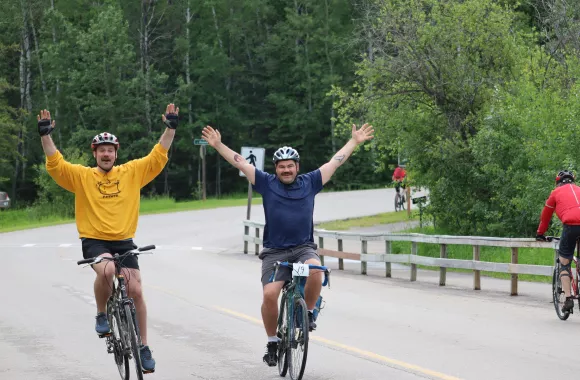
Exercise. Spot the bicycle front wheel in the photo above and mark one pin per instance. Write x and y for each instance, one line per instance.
(115, 342)
(558, 294)
(134, 342)
(299, 327)
(283, 336)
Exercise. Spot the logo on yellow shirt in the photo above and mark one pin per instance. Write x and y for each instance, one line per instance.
(109, 189)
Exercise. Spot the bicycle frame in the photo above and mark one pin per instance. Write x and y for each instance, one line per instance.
(125, 342)
(295, 289)
(119, 286)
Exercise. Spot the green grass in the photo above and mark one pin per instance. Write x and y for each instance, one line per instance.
(33, 217)
(534, 256)
(164, 204)
(369, 221)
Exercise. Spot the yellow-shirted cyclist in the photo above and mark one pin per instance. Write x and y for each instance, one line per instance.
(107, 201)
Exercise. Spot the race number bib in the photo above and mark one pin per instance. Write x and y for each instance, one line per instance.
(300, 270)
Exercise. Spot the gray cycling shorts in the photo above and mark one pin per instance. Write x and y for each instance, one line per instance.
(300, 253)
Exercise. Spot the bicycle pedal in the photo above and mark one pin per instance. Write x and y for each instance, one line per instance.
(104, 335)
(147, 372)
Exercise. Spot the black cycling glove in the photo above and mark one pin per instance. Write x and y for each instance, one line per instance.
(45, 127)
(541, 237)
(171, 120)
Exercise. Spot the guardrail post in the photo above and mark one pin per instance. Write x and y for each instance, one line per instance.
(413, 266)
(246, 233)
(363, 264)
(321, 245)
(388, 251)
(442, 270)
(257, 245)
(514, 291)
(340, 261)
(476, 273)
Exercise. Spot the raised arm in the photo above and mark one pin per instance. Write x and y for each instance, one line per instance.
(170, 120)
(64, 173)
(358, 137)
(214, 138)
(45, 128)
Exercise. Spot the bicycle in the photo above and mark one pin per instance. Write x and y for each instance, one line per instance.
(293, 324)
(557, 293)
(400, 199)
(124, 340)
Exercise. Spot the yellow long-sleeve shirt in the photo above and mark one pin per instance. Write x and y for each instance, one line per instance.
(107, 205)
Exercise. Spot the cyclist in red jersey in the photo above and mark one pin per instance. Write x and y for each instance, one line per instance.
(565, 200)
(398, 177)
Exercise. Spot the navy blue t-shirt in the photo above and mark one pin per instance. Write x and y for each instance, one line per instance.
(289, 209)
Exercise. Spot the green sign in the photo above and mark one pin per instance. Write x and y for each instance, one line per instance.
(200, 142)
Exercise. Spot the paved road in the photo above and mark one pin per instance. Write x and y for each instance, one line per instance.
(204, 298)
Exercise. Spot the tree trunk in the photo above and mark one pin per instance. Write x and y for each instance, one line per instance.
(147, 12)
(25, 101)
(331, 68)
(218, 176)
(56, 102)
(190, 104)
(308, 74)
(37, 53)
(217, 29)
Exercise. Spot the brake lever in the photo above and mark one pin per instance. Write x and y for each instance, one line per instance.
(96, 261)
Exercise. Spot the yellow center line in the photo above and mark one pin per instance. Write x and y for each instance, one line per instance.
(355, 350)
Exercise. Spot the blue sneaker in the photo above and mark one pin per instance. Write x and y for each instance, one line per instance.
(147, 361)
(102, 325)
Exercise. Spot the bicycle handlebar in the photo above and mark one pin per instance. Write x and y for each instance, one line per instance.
(311, 266)
(128, 253)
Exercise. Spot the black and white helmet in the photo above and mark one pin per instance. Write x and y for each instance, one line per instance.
(286, 153)
(105, 138)
(565, 176)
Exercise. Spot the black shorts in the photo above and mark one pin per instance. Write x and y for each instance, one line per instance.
(398, 186)
(95, 247)
(568, 241)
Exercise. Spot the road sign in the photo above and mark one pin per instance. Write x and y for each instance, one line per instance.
(254, 156)
(200, 142)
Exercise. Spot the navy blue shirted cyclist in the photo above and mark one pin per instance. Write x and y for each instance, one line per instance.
(288, 201)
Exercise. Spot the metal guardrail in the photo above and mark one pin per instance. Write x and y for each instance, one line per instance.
(414, 259)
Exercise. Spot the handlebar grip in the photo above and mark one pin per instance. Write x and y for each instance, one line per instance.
(85, 261)
(326, 279)
(147, 248)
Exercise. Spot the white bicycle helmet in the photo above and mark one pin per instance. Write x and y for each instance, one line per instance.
(286, 153)
(105, 138)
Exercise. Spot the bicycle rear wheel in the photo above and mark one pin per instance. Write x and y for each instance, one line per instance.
(114, 342)
(558, 294)
(283, 335)
(134, 342)
(299, 327)
(397, 202)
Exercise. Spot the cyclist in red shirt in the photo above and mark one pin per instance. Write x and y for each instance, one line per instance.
(398, 177)
(565, 200)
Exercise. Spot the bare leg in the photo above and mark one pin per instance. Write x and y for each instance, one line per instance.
(105, 271)
(135, 291)
(313, 285)
(270, 306)
(564, 278)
